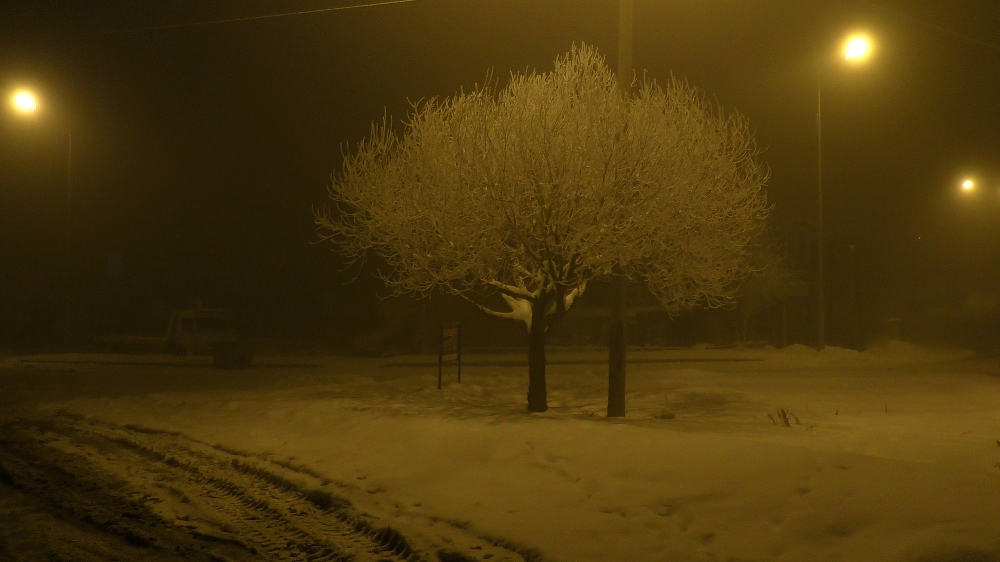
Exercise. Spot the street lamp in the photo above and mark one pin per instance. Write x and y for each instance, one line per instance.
(857, 48)
(25, 103)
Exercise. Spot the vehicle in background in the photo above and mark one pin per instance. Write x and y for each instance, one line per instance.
(203, 331)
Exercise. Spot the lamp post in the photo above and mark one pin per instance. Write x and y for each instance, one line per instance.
(25, 103)
(616, 328)
(857, 48)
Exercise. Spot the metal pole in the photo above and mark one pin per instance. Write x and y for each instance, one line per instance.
(859, 311)
(68, 250)
(440, 354)
(820, 305)
(625, 19)
(616, 328)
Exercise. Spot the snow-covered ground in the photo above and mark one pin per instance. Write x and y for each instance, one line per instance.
(891, 454)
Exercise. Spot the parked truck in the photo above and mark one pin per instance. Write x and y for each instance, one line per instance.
(202, 331)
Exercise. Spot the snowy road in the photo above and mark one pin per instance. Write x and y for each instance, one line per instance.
(147, 488)
(82, 490)
(889, 456)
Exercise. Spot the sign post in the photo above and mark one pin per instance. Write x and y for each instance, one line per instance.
(450, 349)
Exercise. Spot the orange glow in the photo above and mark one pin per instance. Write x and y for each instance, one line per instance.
(857, 48)
(24, 101)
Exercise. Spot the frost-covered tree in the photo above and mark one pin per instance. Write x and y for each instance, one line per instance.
(532, 190)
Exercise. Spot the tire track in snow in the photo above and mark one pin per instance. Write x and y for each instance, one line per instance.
(232, 506)
(270, 514)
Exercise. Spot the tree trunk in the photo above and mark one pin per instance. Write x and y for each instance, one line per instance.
(616, 351)
(616, 370)
(537, 399)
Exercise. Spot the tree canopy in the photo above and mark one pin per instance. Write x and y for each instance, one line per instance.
(532, 190)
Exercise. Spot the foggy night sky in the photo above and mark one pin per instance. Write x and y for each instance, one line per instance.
(200, 152)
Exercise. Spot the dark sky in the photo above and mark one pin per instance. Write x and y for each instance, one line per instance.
(199, 152)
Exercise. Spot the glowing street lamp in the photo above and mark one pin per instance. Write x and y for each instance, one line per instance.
(24, 102)
(968, 186)
(857, 49)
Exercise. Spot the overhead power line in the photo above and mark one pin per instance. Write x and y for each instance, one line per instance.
(266, 16)
(941, 28)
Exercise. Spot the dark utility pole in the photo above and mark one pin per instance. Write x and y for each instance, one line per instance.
(820, 304)
(616, 329)
(68, 249)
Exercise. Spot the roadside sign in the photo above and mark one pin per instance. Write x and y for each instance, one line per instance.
(450, 349)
